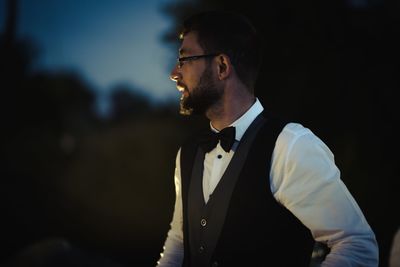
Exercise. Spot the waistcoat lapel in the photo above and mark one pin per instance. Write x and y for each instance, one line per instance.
(205, 221)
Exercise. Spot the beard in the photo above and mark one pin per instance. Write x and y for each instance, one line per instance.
(205, 95)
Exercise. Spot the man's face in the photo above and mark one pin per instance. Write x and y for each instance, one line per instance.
(195, 79)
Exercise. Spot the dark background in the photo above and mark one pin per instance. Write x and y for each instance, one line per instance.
(78, 189)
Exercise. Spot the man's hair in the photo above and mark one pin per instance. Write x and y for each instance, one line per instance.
(232, 34)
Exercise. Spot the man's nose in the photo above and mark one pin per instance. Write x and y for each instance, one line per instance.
(174, 75)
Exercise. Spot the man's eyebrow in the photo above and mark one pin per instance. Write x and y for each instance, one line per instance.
(183, 51)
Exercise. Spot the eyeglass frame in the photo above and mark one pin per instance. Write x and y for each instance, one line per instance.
(182, 60)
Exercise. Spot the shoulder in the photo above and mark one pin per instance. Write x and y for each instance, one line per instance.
(190, 145)
(294, 137)
(291, 133)
(193, 139)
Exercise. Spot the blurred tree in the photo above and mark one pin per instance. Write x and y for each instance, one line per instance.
(127, 102)
(43, 117)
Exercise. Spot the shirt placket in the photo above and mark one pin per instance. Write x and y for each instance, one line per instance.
(216, 168)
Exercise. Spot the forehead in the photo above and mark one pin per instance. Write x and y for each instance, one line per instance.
(189, 45)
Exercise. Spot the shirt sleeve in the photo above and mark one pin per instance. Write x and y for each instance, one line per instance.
(305, 179)
(172, 255)
(394, 258)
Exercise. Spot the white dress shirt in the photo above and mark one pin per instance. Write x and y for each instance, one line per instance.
(303, 178)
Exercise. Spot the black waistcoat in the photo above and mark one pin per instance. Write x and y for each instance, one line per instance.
(242, 224)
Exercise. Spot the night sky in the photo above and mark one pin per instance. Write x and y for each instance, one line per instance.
(107, 42)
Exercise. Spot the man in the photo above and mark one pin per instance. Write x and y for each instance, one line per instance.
(265, 196)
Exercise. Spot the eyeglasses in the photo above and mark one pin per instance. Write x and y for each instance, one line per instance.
(182, 60)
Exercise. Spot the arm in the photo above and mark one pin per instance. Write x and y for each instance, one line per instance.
(172, 255)
(394, 258)
(305, 179)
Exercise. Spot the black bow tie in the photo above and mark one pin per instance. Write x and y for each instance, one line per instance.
(210, 139)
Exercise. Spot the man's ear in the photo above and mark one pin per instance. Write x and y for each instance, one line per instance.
(224, 66)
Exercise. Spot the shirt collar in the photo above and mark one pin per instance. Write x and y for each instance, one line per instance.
(242, 123)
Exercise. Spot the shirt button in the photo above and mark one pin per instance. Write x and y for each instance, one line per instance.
(214, 264)
(201, 249)
(219, 156)
(203, 222)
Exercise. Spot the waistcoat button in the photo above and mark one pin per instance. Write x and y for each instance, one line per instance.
(203, 222)
(201, 249)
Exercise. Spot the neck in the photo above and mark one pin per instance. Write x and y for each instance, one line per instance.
(229, 110)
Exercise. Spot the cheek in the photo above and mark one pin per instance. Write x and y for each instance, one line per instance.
(191, 79)
(190, 82)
